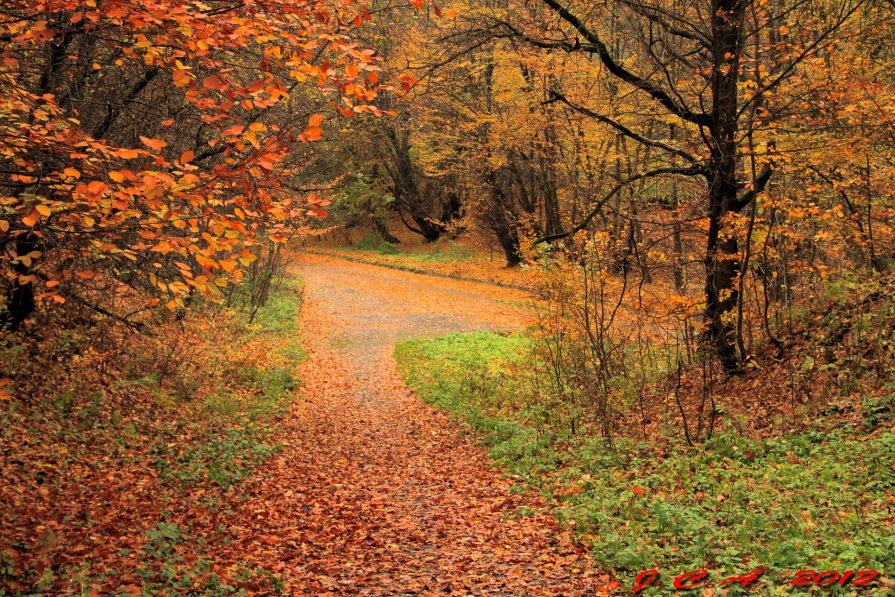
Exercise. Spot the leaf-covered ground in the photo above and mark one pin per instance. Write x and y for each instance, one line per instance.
(126, 483)
(122, 455)
(376, 492)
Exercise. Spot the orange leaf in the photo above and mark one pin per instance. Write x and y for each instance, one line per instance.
(126, 154)
(156, 144)
(187, 157)
(181, 78)
(236, 129)
(31, 219)
(313, 133)
(121, 175)
(96, 189)
(214, 82)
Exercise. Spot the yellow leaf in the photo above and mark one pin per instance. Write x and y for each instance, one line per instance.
(248, 259)
(43, 210)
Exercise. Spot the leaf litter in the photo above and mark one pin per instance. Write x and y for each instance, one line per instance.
(375, 492)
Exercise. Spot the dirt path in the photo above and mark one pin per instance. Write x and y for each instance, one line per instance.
(376, 492)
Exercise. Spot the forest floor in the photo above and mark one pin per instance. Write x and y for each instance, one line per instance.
(290, 455)
(375, 491)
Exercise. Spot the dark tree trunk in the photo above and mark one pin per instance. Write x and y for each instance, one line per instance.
(508, 238)
(20, 300)
(407, 190)
(722, 250)
(502, 220)
(677, 233)
(383, 231)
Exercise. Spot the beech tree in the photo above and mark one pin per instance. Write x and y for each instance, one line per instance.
(146, 143)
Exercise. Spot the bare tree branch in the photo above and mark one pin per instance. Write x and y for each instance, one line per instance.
(558, 97)
(624, 74)
(691, 171)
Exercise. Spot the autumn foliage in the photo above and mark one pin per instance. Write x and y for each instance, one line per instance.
(676, 218)
(736, 154)
(148, 145)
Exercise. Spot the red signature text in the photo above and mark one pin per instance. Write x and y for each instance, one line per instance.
(696, 579)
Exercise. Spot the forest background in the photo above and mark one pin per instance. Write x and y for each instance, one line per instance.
(699, 197)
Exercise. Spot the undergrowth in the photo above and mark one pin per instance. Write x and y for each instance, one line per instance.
(169, 442)
(813, 500)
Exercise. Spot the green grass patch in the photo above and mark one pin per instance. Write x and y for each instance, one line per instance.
(279, 315)
(238, 422)
(447, 251)
(815, 500)
(165, 569)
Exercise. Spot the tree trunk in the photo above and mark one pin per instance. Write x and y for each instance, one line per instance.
(679, 281)
(20, 300)
(509, 242)
(722, 251)
(502, 220)
(382, 230)
(406, 189)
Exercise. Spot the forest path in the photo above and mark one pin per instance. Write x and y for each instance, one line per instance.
(376, 492)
